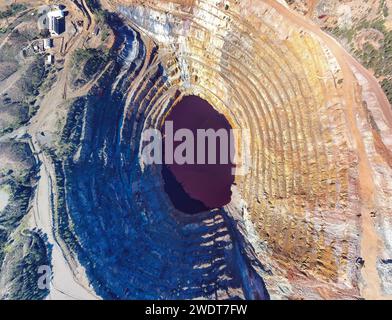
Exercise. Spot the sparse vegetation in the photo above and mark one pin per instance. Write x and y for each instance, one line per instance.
(33, 77)
(384, 8)
(386, 84)
(18, 178)
(374, 57)
(90, 61)
(21, 267)
(18, 40)
(69, 130)
(18, 108)
(12, 10)
(101, 18)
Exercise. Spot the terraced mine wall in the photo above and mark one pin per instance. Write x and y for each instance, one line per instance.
(115, 216)
(316, 196)
(308, 218)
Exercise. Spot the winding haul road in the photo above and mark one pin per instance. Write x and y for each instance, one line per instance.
(69, 280)
(370, 244)
(66, 286)
(344, 58)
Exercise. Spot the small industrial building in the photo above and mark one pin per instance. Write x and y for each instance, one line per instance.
(50, 59)
(56, 22)
(48, 43)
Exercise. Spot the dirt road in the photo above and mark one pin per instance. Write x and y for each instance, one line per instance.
(64, 285)
(69, 277)
(370, 239)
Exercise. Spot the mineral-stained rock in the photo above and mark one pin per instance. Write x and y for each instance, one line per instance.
(125, 231)
(310, 210)
(305, 205)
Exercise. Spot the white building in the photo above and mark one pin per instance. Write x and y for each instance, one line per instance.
(56, 22)
(48, 43)
(50, 59)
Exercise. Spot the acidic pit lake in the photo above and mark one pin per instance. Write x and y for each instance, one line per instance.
(195, 188)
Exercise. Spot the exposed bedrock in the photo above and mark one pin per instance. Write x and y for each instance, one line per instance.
(315, 200)
(125, 230)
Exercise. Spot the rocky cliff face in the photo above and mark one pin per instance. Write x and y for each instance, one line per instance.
(114, 213)
(316, 200)
(309, 217)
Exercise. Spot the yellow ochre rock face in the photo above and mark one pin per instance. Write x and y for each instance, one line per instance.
(315, 202)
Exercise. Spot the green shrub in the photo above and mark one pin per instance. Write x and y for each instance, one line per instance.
(12, 10)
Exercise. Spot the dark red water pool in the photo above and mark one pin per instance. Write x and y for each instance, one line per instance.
(196, 187)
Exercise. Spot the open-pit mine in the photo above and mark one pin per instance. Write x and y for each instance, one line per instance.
(296, 205)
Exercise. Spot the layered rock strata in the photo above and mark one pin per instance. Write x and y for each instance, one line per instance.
(310, 213)
(114, 214)
(316, 200)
